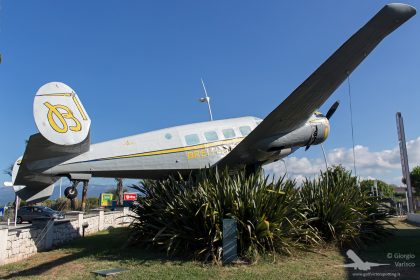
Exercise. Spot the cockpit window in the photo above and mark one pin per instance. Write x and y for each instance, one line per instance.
(211, 136)
(228, 133)
(192, 139)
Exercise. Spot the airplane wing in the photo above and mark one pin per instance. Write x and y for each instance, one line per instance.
(375, 264)
(354, 265)
(297, 108)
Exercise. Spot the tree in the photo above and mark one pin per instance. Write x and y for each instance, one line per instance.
(84, 195)
(415, 179)
(385, 189)
(119, 193)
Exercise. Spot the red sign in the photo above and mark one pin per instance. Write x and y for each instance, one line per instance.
(130, 196)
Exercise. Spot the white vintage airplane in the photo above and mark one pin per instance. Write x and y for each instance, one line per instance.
(63, 149)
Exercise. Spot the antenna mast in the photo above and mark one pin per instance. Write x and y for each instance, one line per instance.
(206, 99)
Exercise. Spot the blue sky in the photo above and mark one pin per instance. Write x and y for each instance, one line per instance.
(136, 66)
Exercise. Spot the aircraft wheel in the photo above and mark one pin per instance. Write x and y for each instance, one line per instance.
(70, 193)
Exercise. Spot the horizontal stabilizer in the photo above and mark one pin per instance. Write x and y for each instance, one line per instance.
(41, 187)
(34, 195)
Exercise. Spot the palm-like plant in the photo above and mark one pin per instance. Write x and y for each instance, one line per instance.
(340, 210)
(186, 215)
(9, 170)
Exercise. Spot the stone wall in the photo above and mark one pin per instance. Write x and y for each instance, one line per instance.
(20, 244)
(23, 242)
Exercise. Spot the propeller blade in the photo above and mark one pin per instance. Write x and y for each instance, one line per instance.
(332, 109)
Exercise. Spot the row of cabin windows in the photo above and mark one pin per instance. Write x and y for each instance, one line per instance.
(211, 136)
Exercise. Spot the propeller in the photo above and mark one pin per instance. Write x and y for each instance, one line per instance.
(332, 109)
(329, 114)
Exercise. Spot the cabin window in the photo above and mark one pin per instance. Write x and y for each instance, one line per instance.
(228, 133)
(168, 136)
(245, 130)
(192, 139)
(211, 136)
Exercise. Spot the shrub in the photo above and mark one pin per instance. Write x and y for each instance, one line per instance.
(60, 204)
(341, 211)
(92, 203)
(185, 216)
(63, 204)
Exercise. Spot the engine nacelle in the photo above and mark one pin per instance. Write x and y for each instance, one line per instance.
(313, 132)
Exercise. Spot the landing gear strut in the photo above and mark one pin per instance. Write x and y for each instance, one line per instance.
(251, 169)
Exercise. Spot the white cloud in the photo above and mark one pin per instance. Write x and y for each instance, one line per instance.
(385, 165)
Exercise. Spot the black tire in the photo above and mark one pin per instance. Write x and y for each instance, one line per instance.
(70, 193)
(19, 220)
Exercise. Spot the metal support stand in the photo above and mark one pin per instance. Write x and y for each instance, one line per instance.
(16, 208)
(230, 242)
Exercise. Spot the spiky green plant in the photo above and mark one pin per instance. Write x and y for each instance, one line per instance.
(341, 211)
(185, 216)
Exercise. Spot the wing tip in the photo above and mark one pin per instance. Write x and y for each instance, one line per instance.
(401, 10)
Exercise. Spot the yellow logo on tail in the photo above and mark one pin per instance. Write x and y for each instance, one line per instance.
(63, 115)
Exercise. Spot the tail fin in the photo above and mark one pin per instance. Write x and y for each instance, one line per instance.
(59, 114)
(64, 133)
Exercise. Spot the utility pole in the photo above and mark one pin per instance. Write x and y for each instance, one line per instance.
(404, 162)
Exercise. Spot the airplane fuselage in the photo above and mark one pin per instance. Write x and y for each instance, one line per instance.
(180, 149)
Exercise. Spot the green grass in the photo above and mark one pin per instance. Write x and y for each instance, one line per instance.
(108, 249)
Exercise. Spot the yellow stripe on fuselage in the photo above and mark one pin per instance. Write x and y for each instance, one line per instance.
(180, 149)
